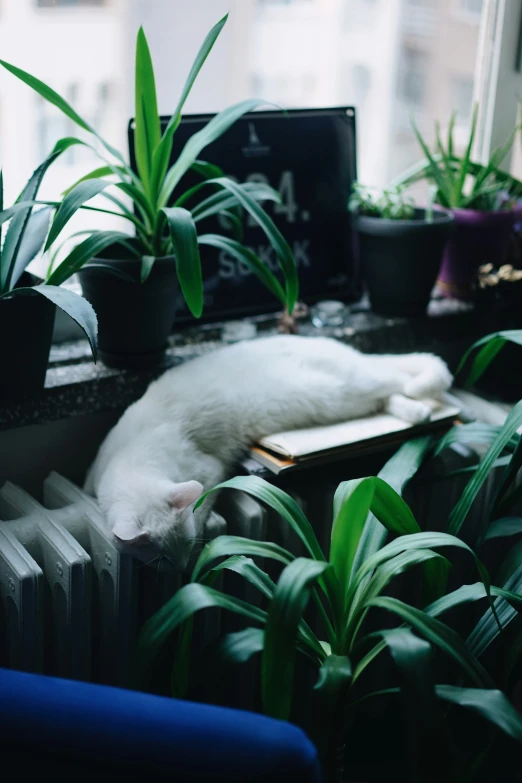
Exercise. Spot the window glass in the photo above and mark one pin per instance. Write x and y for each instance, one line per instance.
(388, 58)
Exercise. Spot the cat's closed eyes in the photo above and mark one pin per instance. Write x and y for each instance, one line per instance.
(188, 430)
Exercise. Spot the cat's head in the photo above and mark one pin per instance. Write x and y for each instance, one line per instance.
(150, 517)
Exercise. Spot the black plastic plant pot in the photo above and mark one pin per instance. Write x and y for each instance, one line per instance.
(400, 260)
(134, 318)
(26, 329)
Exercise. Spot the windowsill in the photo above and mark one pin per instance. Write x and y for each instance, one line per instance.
(75, 386)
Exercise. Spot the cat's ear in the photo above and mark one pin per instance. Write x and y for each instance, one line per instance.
(126, 529)
(182, 495)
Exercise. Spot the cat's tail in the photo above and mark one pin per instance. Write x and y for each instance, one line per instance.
(429, 375)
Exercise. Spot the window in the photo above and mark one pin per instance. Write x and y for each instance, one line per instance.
(283, 2)
(413, 76)
(462, 98)
(309, 54)
(359, 84)
(471, 6)
(63, 3)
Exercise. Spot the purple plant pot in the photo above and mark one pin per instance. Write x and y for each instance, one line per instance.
(479, 238)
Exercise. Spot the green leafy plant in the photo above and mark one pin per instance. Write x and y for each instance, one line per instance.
(358, 620)
(25, 238)
(461, 182)
(391, 203)
(163, 228)
(484, 351)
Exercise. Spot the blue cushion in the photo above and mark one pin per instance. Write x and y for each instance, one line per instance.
(63, 726)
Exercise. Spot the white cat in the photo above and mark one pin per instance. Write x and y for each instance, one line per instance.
(187, 431)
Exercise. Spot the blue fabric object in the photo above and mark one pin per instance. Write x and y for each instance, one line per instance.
(55, 726)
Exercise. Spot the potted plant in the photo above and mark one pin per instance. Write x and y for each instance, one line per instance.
(27, 307)
(359, 621)
(483, 199)
(400, 249)
(136, 309)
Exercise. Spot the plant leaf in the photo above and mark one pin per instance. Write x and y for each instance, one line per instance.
(276, 239)
(19, 222)
(73, 304)
(352, 502)
(488, 353)
(249, 259)
(101, 171)
(467, 594)
(215, 128)
(52, 97)
(472, 433)
(207, 170)
(459, 513)
(444, 192)
(438, 634)
(227, 546)
(492, 705)
(72, 203)
(147, 133)
(188, 263)
(333, 682)
(1, 210)
(426, 730)
(163, 150)
(221, 201)
(83, 252)
(285, 612)
(415, 541)
(487, 629)
(147, 262)
(396, 472)
(282, 503)
(464, 164)
(503, 499)
(506, 526)
(32, 242)
(377, 584)
(183, 605)
(238, 647)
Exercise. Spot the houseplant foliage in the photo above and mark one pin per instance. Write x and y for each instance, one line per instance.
(483, 198)
(359, 621)
(167, 223)
(400, 248)
(27, 306)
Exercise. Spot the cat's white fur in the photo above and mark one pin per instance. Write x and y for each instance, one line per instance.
(187, 431)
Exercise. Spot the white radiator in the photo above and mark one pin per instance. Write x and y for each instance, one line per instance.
(71, 604)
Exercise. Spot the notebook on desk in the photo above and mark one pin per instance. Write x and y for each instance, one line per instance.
(295, 449)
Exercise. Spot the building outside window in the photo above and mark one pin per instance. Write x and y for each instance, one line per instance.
(413, 73)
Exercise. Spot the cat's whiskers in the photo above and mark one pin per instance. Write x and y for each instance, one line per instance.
(149, 562)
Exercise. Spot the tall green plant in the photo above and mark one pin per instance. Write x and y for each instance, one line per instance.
(25, 238)
(347, 587)
(460, 181)
(165, 225)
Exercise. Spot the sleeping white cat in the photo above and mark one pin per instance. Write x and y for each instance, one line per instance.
(187, 431)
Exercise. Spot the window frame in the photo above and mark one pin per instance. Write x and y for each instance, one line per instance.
(498, 77)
